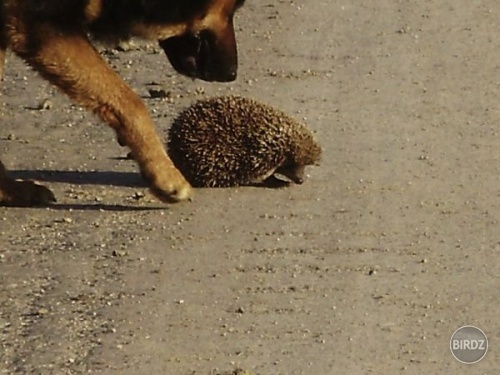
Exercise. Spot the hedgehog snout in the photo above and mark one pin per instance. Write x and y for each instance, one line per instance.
(295, 173)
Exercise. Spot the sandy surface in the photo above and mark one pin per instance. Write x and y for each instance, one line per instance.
(367, 268)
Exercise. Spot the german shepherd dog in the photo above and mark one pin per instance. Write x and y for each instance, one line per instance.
(54, 37)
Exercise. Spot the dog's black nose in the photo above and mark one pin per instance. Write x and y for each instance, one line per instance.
(227, 75)
(232, 74)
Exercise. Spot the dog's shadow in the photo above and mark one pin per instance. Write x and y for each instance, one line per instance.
(104, 178)
(123, 179)
(111, 178)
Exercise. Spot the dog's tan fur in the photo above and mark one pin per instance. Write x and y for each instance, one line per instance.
(53, 37)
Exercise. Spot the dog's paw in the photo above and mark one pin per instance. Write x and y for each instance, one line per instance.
(169, 185)
(19, 193)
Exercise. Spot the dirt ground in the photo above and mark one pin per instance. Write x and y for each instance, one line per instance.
(367, 268)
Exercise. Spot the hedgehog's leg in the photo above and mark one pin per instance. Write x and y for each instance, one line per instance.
(288, 173)
(71, 63)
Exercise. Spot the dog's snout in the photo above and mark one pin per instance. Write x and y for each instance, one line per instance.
(227, 75)
(232, 74)
(205, 55)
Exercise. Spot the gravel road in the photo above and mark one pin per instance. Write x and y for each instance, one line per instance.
(389, 246)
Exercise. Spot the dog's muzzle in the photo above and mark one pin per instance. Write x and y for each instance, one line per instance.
(202, 56)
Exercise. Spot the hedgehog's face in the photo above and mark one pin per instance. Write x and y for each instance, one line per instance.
(207, 48)
(304, 152)
(294, 173)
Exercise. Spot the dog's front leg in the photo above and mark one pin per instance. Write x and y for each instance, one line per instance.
(72, 63)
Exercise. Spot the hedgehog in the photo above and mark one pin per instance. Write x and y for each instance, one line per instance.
(232, 141)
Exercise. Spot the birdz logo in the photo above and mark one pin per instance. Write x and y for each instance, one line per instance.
(469, 344)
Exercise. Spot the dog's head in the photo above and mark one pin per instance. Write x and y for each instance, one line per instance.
(206, 48)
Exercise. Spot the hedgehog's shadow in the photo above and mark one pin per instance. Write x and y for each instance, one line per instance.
(269, 183)
(272, 182)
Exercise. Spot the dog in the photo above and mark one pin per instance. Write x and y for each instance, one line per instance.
(55, 37)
